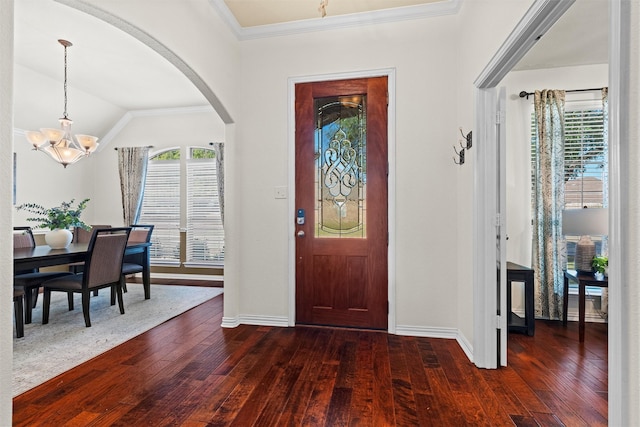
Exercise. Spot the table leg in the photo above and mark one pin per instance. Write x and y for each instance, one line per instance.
(146, 273)
(565, 301)
(529, 306)
(581, 304)
(508, 303)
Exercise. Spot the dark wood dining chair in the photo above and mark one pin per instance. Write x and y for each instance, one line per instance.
(30, 281)
(18, 309)
(102, 269)
(132, 264)
(80, 235)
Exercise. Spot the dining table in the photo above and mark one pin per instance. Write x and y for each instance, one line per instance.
(44, 256)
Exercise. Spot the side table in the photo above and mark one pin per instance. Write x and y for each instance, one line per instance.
(583, 280)
(519, 273)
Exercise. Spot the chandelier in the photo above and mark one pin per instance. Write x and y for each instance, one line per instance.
(60, 143)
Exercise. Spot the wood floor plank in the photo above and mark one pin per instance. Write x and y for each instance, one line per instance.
(191, 372)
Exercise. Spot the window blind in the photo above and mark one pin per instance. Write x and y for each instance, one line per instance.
(584, 158)
(205, 234)
(161, 207)
(585, 162)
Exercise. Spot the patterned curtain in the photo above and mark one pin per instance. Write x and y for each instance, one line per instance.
(218, 147)
(132, 165)
(549, 249)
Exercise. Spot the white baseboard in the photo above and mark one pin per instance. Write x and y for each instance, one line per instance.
(425, 331)
(248, 319)
(230, 322)
(447, 333)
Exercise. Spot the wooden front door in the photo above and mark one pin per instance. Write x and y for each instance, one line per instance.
(341, 200)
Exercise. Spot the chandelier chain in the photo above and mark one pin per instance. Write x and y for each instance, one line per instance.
(65, 82)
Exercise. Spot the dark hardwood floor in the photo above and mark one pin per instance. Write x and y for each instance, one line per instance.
(191, 372)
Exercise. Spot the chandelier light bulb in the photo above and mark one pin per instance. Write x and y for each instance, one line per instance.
(35, 138)
(88, 143)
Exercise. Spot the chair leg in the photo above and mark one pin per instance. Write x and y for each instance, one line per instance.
(119, 290)
(86, 296)
(19, 314)
(113, 295)
(29, 303)
(45, 305)
(34, 294)
(70, 300)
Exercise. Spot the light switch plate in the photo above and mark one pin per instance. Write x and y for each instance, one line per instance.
(280, 192)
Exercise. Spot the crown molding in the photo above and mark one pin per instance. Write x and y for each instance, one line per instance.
(446, 7)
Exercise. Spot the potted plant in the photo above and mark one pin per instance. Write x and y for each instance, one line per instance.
(58, 220)
(600, 264)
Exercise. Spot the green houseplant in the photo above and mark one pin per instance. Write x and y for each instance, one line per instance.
(600, 264)
(58, 220)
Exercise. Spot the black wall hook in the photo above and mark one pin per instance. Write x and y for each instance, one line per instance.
(460, 156)
(468, 138)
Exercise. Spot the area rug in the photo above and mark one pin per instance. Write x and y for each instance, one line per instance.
(49, 350)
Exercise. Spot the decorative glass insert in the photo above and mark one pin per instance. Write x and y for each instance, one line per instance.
(340, 166)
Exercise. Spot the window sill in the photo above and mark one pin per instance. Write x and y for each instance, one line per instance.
(164, 263)
(203, 264)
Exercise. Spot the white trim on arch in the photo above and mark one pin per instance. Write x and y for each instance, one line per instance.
(391, 74)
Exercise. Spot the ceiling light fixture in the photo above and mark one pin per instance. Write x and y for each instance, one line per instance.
(59, 143)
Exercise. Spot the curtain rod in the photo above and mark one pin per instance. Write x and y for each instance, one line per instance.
(524, 93)
(144, 146)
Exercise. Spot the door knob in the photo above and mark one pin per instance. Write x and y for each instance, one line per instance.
(300, 233)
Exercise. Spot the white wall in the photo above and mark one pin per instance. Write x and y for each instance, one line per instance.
(424, 200)
(41, 103)
(193, 31)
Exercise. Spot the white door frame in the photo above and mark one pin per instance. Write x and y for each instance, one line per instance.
(390, 73)
(540, 17)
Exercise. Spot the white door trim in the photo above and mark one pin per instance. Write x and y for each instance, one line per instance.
(538, 19)
(390, 73)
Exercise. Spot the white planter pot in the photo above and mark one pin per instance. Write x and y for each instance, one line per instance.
(58, 239)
